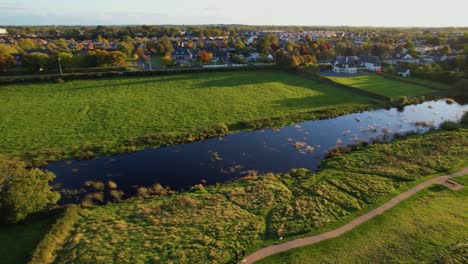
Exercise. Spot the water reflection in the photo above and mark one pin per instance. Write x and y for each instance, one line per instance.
(270, 150)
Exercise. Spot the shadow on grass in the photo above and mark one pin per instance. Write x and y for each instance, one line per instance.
(437, 188)
(151, 80)
(18, 241)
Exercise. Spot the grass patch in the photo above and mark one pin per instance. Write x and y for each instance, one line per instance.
(209, 223)
(427, 228)
(380, 85)
(18, 241)
(57, 120)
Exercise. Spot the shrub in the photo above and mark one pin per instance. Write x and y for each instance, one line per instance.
(116, 195)
(464, 119)
(112, 185)
(401, 101)
(95, 185)
(23, 191)
(198, 188)
(155, 190)
(449, 101)
(461, 87)
(449, 126)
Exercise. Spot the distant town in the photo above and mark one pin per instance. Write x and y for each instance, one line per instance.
(419, 51)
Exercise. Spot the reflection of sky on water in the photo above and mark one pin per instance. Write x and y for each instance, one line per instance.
(268, 150)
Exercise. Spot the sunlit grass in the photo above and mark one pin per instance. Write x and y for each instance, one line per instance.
(383, 86)
(430, 227)
(62, 115)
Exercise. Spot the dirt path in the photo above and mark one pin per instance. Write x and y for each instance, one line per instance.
(271, 250)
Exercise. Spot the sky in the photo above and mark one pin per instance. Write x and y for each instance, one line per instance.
(396, 13)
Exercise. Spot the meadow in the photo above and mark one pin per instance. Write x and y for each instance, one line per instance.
(383, 86)
(430, 227)
(208, 224)
(59, 119)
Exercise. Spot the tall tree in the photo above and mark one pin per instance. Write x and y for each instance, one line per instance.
(6, 61)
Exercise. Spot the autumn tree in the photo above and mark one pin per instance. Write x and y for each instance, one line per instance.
(6, 61)
(240, 46)
(264, 46)
(26, 44)
(340, 48)
(126, 48)
(36, 61)
(139, 53)
(205, 56)
(190, 44)
(164, 46)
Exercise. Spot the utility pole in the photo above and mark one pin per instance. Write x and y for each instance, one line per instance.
(60, 66)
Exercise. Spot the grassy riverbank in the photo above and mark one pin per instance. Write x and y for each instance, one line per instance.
(82, 118)
(383, 86)
(430, 227)
(209, 224)
(19, 240)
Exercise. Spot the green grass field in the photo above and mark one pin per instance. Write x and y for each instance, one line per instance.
(430, 227)
(61, 116)
(380, 85)
(207, 225)
(19, 240)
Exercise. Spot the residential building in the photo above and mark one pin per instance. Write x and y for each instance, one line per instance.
(182, 55)
(371, 63)
(353, 64)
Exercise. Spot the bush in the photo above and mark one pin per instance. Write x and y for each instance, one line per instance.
(449, 126)
(461, 87)
(464, 119)
(401, 101)
(449, 101)
(23, 191)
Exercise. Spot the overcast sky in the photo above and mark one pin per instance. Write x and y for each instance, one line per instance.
(407, 13)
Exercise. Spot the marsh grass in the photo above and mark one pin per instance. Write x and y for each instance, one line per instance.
(209, 223)
(426, 228)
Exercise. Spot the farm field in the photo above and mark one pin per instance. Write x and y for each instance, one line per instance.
(208, 224)
(380, 85)
(63, 116)
(430, 227)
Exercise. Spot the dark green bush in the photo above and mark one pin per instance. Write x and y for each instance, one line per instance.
(449, 126)
(401, 101)
(464, 119)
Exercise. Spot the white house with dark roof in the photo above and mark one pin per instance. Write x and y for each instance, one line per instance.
(352, 64)
(348, 64)
(371, 63)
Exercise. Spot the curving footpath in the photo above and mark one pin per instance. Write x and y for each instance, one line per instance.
(271, 250)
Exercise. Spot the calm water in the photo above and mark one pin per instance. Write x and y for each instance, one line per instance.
(222, 159)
